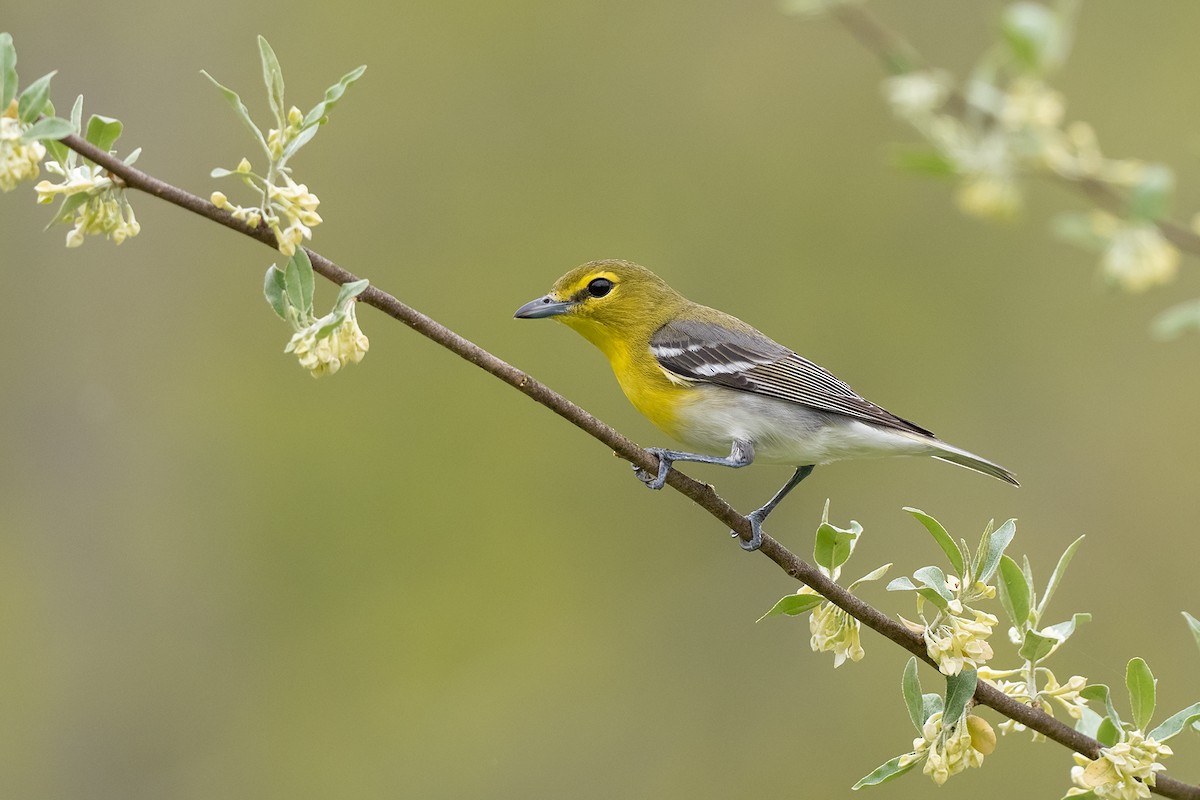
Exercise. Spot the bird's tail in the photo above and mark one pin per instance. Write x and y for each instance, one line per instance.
(954, 455)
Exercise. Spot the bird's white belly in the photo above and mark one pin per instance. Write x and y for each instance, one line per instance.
(787, 433)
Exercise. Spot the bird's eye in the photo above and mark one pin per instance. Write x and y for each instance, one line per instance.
(599, 287)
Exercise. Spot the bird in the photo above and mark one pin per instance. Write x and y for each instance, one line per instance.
(716, 384)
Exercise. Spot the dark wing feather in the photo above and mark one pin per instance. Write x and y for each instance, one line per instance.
(749, 361)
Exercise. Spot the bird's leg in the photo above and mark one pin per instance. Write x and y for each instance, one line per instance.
(758, 516)
(741, 455)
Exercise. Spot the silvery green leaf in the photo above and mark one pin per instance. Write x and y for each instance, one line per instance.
(834, 545)
(1177, 320)
(33, 99)
(1150, 197)
(1056, 577)
(1099, 692)
(298, 276)
(239, 108)
(77, 115)
(910, 685)
(133, 156)
(221, 172)
(793, 604)
(931, 703)
(1036, 646)
(1014, 592)
(1031, 31)
(1063, 630)
(873, 575)
(1176, 723)
(1108, 734)
(903, 584)
(57, 150)
(996, 545)
(275, 290)
(1089, 722)
(47, 128)
(348, 291)
(942, 538)
(1194, 626)
(317, 114)
(933, 578)
(933, 597)
(67, 209)
(103, 131)
(886, 772)
(330, 322)
(8, 70)
(959, 689)
(273, 78)
(1140, 683)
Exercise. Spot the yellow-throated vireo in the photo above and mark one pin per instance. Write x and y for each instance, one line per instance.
(716, 384)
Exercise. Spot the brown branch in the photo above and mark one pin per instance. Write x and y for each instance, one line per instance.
(700, 493)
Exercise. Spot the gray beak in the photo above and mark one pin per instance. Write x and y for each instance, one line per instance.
(545, 306)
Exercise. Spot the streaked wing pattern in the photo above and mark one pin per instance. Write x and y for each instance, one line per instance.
(751, 362)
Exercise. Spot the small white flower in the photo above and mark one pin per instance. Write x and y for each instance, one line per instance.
(957, 642)
(1138, 257)
(915, 95)
(18, 160)
(833, 630)
(948, 751)
(105, 212)
(345, 344)
(1125, 771)
(1029, 104)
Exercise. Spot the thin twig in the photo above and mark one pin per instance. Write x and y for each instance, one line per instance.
(700, 493)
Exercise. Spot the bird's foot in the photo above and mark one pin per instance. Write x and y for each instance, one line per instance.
(664, 466)
(756, 532)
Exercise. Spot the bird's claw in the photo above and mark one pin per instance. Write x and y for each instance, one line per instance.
(756, 532)
(664, 466)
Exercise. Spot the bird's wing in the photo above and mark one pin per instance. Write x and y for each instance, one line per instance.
(751, 362)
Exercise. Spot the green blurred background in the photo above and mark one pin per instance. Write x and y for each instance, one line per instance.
(221, 578)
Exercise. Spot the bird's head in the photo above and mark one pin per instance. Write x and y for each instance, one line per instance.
(607, 302)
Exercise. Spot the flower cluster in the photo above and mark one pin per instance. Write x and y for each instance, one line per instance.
(18, 159)
(1007, 122)
(93, 202)
(325, 355)
(1135, 254)
(956, 641)
(1066, 695)
(1125, 771)
(949, 750)
(288, 208)
(833, 630)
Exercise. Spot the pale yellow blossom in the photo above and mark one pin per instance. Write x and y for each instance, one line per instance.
(345, 344)
(957, 642)
(833, 630)
(18, 160)
(1125, 771)
(948, 751)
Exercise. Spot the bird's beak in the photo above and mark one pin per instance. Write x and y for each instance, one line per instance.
(545, 306)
